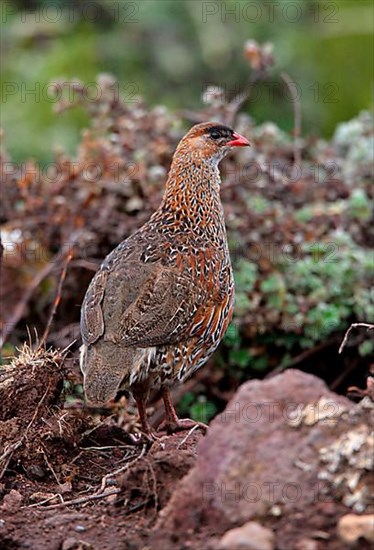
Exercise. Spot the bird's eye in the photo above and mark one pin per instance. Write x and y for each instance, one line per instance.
(215, 135)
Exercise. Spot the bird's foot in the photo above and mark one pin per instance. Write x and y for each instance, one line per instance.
(180, 424)
(172, 423)
(145, 437)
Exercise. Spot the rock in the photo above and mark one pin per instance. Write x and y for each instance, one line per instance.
(73, 544)
(352, 527)
(347, 464)
(12, 501)
(69, 543)
(134, 204)
(250, 536)
(34, 471)
(65, 487)
(313, 413)
(306, 544)
(252, 459)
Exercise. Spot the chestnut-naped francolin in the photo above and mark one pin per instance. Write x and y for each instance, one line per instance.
(162, 300)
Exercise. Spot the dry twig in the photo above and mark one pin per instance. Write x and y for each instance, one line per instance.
(121, 470)
(49, 465)
(242, 97)
(354, 325)
(101, 492)
(79, 500)
(57, 300)
(187, 436)
(19, 310)
(297, 116)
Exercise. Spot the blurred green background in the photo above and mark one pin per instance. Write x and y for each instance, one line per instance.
(168, 51)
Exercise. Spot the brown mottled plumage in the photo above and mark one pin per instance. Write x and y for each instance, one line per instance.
(162, 300)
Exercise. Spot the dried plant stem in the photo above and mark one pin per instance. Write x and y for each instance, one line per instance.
(44, 501)
(187, 436)
(121, 470)
(354, 325)
(100, 493)
(21, 305)
(49, 465)
(79, 500)
(297, 116)
(240, 99)
(57, 299)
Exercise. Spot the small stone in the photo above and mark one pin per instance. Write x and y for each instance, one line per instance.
(112, 498)
(34, 471)
(12, 501)
(134, 204)
(250, 536)
(73, 544)
(65, 487)
(306, 544)
(351, 528)
(276, 510)
(80, 528)
(69, 543)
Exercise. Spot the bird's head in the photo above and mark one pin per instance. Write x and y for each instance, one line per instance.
(212, 141)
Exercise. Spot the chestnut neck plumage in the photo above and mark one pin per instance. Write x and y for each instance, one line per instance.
(193, 186)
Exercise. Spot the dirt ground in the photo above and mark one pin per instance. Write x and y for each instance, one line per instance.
(51, 456)
(73, 478)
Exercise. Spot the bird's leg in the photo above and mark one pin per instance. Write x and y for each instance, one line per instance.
(140, 395)
(140, 403)
(172, 423)
(170, 413)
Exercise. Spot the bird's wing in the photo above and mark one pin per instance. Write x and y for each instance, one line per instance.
(139, 304)
(92, 321)
(162, 310)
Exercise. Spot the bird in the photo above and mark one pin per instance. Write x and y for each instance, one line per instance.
(161, 301)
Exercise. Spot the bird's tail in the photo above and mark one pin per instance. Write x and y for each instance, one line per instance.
(104, 366)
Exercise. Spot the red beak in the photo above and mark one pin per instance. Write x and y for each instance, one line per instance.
(239, 141)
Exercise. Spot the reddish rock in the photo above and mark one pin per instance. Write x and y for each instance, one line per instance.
(353, 528)
(12, 501)
(259, 453)
(250, 536)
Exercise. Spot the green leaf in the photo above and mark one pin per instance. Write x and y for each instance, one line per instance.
(203, 410)
(245, 275)
(232, 336)
(239, 357)
(366, 348)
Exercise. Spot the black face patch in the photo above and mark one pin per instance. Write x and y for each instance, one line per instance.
(220, 132)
